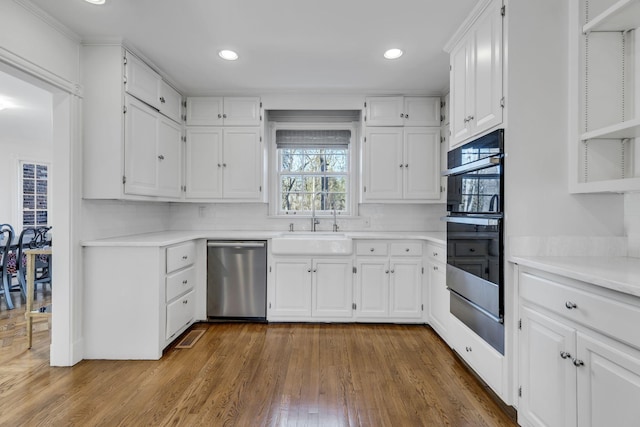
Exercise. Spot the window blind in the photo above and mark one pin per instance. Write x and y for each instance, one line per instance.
(313, 138)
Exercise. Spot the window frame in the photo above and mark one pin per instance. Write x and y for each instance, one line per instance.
(20, 198)
(351, 173)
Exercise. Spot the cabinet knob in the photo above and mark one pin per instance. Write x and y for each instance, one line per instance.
(184, 282)
(160, 157)
(469, 349)
(578, 362)
(185, 301)
(224, 165)
(401, 165)
(162, 99)
(372, 250)
(315, 270)
(401, 114)
(308, 270)
(407, 250)
(570, 305)
(565, 355)
(393, 271)
(406, 165)
(386, 271)
(219, 116)
(435, 267)
(224, 116)
(184, 257)
(219, 165)
(435, 254)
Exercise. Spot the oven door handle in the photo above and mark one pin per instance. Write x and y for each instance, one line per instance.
(474, 166)
(471, 220)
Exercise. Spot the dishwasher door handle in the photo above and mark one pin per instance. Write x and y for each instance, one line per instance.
(236, 244)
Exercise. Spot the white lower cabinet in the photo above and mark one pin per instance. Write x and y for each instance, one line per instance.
(579, 361)
(389, 281)
(304, 289)
(137, 299)
(438, 298)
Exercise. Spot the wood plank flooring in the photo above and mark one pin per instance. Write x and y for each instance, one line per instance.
(253, 375)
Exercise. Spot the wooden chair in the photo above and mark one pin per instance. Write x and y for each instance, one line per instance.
(6, 239)
(33, 238)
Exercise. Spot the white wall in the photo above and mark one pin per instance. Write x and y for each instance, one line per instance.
(537, 198)
(377, 217)
(632, 222)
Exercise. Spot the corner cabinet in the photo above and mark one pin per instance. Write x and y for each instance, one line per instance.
(579, 353)
(150, 304)
(476, 76)
(401, 164)
(132, 141)
(604, 96)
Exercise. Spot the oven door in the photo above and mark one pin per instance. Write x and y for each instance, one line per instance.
(474, 274)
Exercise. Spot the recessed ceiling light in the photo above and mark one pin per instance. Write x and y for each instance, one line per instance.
(6, 103)
(229, 55)
(95, 1)
(393, 54)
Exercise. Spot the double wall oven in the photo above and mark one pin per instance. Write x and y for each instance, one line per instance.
(475, 216)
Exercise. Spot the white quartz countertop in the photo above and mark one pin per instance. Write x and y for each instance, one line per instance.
(167, 238)
(620, 274)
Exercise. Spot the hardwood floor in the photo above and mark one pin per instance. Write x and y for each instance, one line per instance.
(252, 375)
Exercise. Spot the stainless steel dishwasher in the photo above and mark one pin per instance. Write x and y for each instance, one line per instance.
(237, 280)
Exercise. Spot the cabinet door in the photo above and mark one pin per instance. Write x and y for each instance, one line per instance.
(170, 102)
(421, 111)
(242, 164)
(608, 383)
(241, 111)
(205, 111)
(383, 164)
(291, 294)
(180, 313)
(460, 92)
(141, 81)
(438, 298)
(203, 175)
(405, 288)
(169, 157)
(140, 160)
(421, 163)
(487, 70)
(372, 288)
(332, 288)
(385, 111)
(547, 374)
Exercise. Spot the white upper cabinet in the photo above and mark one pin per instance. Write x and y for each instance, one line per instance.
(130, 149)
(170, 102)
(606, 125)
(224, 163)
(401, 164)
(227, 111)
(141, 81)
(476, 77)
(402, 111)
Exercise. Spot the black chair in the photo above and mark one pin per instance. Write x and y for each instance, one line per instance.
(6, 239)
(33, 238)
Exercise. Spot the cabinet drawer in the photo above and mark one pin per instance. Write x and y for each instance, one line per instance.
(483, 358)
(180, 313)
(471, 248)
(180, 282)
(607, 315)
(406, 249)
(436, 253)
(180, 256)
(372, 248)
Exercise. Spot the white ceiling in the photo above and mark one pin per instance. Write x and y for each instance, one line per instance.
(313, 46)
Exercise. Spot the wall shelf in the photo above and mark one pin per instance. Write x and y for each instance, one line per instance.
(623, 130)
(621, 16)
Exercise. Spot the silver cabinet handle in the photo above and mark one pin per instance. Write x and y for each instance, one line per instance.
(160, 157)
(469, 349)
(578, 362)
(185, 301)
(570, 305)
(435, 268)
(565, 355)
(184, 257)
(435, 254)
(184, 282)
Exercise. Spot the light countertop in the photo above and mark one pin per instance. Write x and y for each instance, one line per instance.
(620, 274)
(167, 238)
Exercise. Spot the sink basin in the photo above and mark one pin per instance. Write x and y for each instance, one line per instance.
(317, 243)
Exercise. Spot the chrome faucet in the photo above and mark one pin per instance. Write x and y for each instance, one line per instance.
(314, 221)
